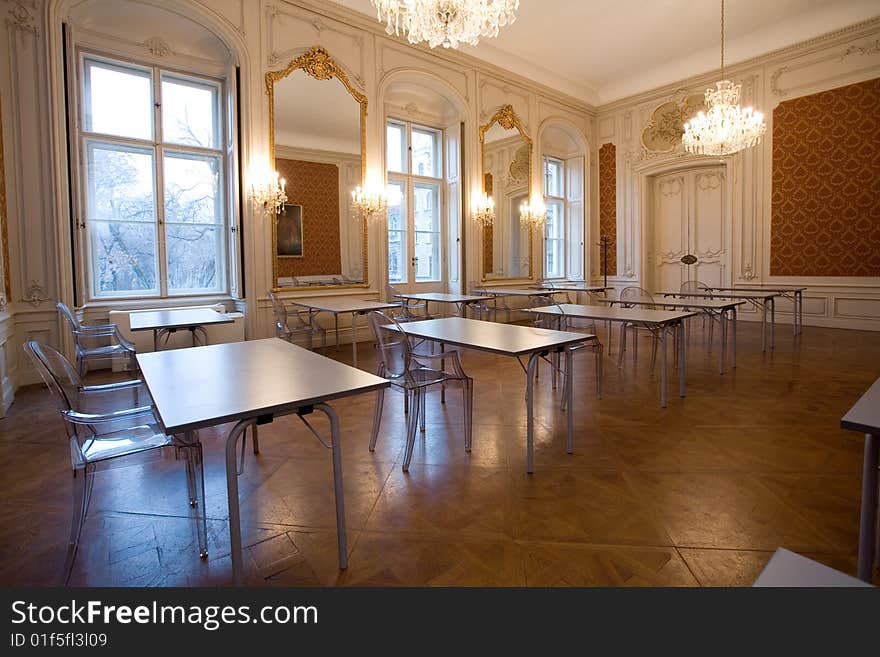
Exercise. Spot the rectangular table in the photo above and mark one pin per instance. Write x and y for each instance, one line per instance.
(793, 292)
(337, 305)
(787, 569)
(507, 340)
(251, 383)
(725, 308)
(760, 300)
(655, 319)
(166, 322)
(864, 416)
(461, 301)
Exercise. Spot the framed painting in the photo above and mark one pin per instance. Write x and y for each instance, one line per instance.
(289, 232)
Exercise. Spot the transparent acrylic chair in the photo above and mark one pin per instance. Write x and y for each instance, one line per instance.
(101, 425)
(693, 286)
(566, 323)
(646, 299)
(290, 323)
(492, 305)
(410, 372)
(88, 339)
(405, 312)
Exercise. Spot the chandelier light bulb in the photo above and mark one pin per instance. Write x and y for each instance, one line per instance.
(484, 210)
(445, 23)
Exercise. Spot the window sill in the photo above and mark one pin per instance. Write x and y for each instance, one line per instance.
(156, 302)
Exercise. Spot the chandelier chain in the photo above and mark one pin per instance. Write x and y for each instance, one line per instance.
(722, 39)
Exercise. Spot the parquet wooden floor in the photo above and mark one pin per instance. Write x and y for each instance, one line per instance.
(700, 493)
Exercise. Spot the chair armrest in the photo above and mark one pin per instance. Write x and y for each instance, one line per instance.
(98, 418)
(452, 354)
(111, 387)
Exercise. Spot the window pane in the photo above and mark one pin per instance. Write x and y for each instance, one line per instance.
(118, 100)
(555, 258)
(189, 113)
(426, 152)
(553, 177)
(192, 189)
(554, 221)
(194, 261)
(123, 257)
(395, 148)
(397, 272)
(121, 213)
(194, 220)
(426, 216)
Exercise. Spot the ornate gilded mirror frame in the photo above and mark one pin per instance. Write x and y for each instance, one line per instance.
(505, 117)
(317, 63)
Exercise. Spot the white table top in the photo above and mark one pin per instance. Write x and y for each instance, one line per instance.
(442, 297)
(574, 287)
(864, 415)
(759, 288)
(176, 318)
(788, 569)
(206, 386)
(705, 304)
(505, 339)
(613, 314)
(745, 294)
(341, 304)
(516, 291)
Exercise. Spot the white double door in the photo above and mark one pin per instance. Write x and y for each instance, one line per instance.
(687, 216)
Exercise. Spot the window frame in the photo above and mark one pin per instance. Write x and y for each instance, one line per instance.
(223, 149)
(561, 202)
(409, 181)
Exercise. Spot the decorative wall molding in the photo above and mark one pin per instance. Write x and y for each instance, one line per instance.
(872, 48)
(157, 46)
(23, 16)
(35, 294)
(774, 81)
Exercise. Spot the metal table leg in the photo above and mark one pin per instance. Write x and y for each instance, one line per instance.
(868, 512)
(772, 322)
(232, 498)
(155, 339)
(764, 325)
(336, 329)
(569, 402)
(663, 369)
(722, 319)
(530, 412)
(354, 342)
(733, 331)
(337, 482)
(682, 356)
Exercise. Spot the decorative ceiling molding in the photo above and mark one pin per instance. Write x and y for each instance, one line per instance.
(157, 46)
(869, 49)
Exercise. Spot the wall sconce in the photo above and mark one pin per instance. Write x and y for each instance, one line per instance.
(484, 210)
(372, 201)
(267, 193)
(533, 214)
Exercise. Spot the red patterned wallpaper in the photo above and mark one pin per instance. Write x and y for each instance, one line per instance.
(488, 231)
(608, 203)
(314, 186)
(825, 218)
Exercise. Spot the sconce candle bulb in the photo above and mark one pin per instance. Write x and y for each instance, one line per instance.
(484, 210)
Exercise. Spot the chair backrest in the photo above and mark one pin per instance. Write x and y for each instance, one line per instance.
(636, 293)
(390, 292)
(56, 371)
(69, 316)
(395, 351)
(280, 313)
(693, 286)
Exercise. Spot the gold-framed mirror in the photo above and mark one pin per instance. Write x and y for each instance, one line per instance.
(506, 174)
(317, 143)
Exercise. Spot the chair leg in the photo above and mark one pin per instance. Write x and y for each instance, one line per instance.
(599, 356)
(195, 476)
(622, 348)
(83, 479)
(468, 394)
(377, 417)
(255, 438)
(412, 426)
(653, 351)
(424, 396)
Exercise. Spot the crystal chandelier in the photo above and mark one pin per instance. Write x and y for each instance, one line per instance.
(484, 210)
(269, 194)
(725, 128)
(533, 214)
(445, 22)
(372, 201)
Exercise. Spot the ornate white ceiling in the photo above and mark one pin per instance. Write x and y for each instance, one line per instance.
(603, 50)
